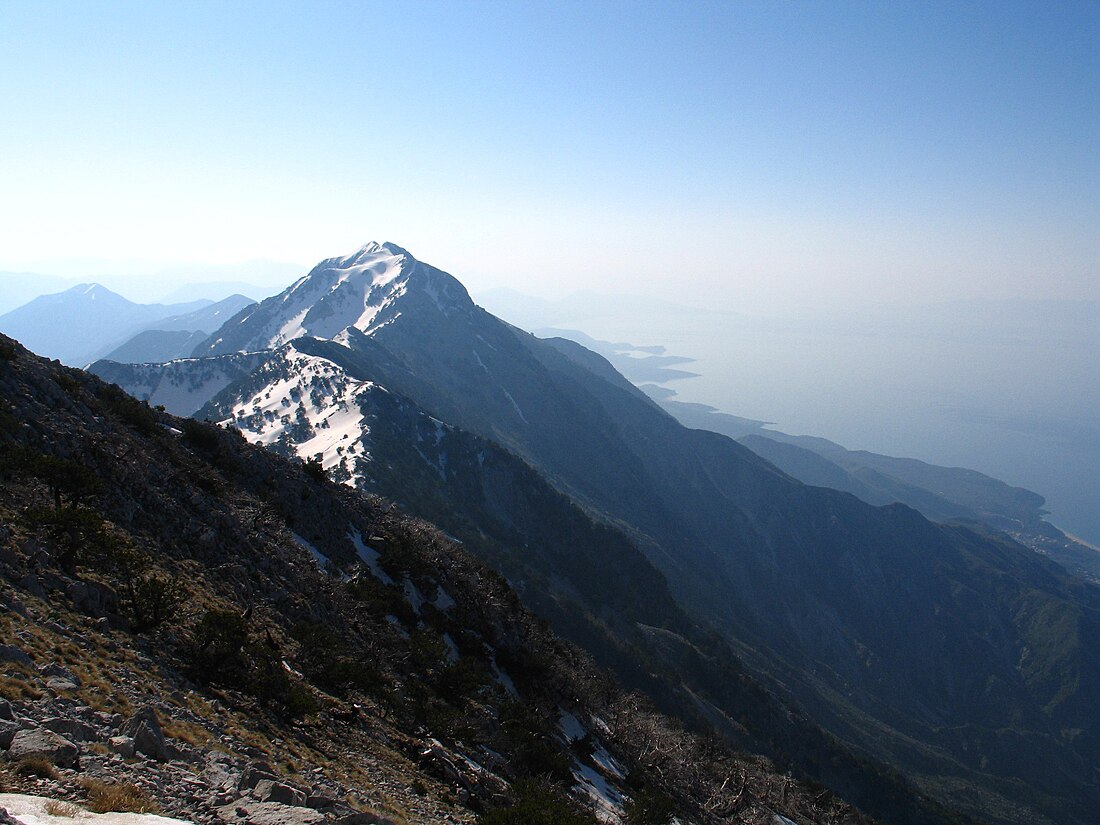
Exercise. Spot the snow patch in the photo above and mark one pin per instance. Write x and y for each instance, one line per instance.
(413, 595)
(370, 557)
(31, 810)
(607, 763)
(571, 727)
(504, 680)
(313, 408)
(318, 556)
(355, 291)
(452, 648)
(442, 600)
(607, 800)
(514, 404)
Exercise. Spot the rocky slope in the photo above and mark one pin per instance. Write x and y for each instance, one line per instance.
(194, 625)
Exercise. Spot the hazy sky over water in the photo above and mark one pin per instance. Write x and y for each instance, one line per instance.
(767, 156)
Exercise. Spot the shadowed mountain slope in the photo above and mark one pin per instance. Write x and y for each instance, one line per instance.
(314, 655)
(966, 660)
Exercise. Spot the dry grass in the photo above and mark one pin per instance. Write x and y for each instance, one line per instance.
(16, 686)
(188, 732)
(105, 797)
(38, 766)
(55, 807)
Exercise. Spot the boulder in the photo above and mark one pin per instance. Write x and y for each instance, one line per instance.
(60, 671)
(322, 802)
(94, 598)
(60, 685)
(255, 773)
(122, 745)
(268, 813)
(5, 710)
(72, 729)
(363, 818)
(8, 729)
(45, 743)
(144, 728)
(268, 790)
(11, 653)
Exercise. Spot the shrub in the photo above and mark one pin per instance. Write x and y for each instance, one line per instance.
(463, 679)
(382, 600)
(269, 681)
(315, 470)
(138, 414)
(79, 535)
(151, 600)
(327, 660)
(217, 646)
(62, 476)
(221, 651)
(9, 424)
(201, 434)
(55, 807)
(537, 803)
(531, 744)
(650, 807)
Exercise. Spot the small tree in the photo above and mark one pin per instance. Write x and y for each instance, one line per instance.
(315, 470)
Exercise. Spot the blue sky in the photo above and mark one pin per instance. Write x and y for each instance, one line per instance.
(769, 154)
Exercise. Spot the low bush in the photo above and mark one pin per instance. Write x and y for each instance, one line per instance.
(222, 651)
(537, 803)
(650, 807)
(131, 411)
(327, 660)
(315, 470)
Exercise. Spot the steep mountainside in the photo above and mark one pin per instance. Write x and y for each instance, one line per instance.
(940, 493)
(967, 660)
(584, 577)
(194, 624)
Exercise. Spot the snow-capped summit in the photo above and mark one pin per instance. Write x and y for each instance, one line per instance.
(365, 291)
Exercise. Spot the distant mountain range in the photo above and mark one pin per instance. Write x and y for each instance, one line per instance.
(947, 651)
(18, 288)
(89, 321)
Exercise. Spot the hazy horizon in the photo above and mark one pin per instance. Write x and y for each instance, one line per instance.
(834, 164)
(755, 156)
(1006, 387)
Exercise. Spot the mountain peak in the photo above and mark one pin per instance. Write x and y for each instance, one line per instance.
(372, 251)
(366, 290)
